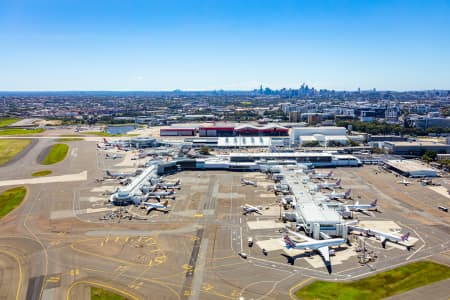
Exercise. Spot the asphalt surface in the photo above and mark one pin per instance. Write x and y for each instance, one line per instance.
(62, 246)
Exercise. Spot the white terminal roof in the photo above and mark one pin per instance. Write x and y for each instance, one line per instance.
(416, 144)
(281, 154)
(409, 165)
(240, 141)
(309, 207)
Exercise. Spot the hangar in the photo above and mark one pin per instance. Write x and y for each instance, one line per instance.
(410, 168)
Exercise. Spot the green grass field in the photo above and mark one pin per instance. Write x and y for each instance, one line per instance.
(10, 199)
(7, 121)
(70, 139)
(41, 173)
(385, 284)
(20, 131)
(56, 154)
(9, 148)
(102, 294)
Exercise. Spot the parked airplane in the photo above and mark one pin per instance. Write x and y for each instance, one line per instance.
(404, 182)
(122, 149)
(322, 246)
(107, 144)
(166, 185)
(102, 148)
(114, 156)
(329, 185)
(156, 180)
(159, 195)
(248, 182)
(248, 209)
(383, 236)
(362, 207)
(336, 195)
(164, 207)
(119, 175)
(315, 175)
(148, 188)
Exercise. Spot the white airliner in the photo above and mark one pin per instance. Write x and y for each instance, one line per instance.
(322, 246)
(114, 156)
(336, 195)
(315, 175)
(404, 182)
(159, 195)
(165, 185)
(248, 182)
(119, 175)
(106, 143)
(148, 188)
(362, 207)
(102, 148)
(329, 185)
(383, 236)
(122, 149)
(248, 209)
(164, 207)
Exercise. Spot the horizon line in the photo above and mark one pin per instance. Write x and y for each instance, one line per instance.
(214, 90)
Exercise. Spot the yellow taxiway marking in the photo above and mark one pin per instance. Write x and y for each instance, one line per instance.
(198, 215)
(74, 272)
(16, 258)
(54, 279)
(292, 289)
(102, 285)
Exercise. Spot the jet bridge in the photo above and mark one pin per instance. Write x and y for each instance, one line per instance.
(124, 196)
(314, 215)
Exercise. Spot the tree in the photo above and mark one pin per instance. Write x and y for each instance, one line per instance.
(429, 156)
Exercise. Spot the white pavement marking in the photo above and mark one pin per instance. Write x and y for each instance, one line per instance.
(50, 179)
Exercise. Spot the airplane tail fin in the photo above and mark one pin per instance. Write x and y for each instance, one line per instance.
(347, 193)
(289, 243)
(98, 146)
(374, 203)
(166, 203)
(405, 237)
(338, 182)
(178, 182)
(108, 173)
(330, 174)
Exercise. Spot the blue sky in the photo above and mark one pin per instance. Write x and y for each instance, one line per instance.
(224, 44)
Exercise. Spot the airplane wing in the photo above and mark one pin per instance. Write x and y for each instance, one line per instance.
(301, 236)
(325, 253)
(149, 209)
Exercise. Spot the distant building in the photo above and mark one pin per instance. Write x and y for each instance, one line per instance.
(295, 116)
(322, 135)
(177, 131)
(367, 116)
(266, 130)
(410, 168)
(415, 148)
(426, 122)
(213, 131)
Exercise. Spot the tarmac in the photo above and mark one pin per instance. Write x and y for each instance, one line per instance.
(55, 245)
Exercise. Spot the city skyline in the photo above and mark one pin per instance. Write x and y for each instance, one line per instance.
(229, 45)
